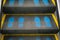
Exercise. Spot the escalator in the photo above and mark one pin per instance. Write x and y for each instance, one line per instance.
(29, 20)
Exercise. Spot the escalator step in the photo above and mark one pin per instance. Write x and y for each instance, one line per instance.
(29, 24)
(28, 6)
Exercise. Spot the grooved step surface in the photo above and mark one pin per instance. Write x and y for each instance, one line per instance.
(28, 22)
(28, 3)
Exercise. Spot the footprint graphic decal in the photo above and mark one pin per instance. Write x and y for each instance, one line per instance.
(37, 21)
(21, 22)
(10, 38)
(47, 21)
(36, 2)
(46, 2)
(38, 38)
(48, 38)
(21, 2)
(11, 2)
(10, 22)
(21, 38)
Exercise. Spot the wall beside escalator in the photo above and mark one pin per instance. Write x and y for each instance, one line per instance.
(58, 3)
(0, 10)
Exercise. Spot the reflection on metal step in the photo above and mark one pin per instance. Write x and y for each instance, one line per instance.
(47, 21)
(21, 22)
(37, 21)
(10, 22)
(21, 2)
(38, 38)
(48, 38)
(45, 2)
(11, 2)
(36, 2)
(21, 38)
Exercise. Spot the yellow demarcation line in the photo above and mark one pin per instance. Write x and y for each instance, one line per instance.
(2, 37)
(27, 34)
(53, 1)
(56, 37)
(28, 14)
(55, 19)
(3, 18)
(4, 2)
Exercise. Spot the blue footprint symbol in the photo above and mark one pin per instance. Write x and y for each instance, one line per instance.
(10, 39)
(21, 22)
(38, 38)
(47, 21)
(36, 2)
(10, 22)
(11, 2)
(37, 21)
(48, 38)
(21, 38)
(46, 2)
(21, 2)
